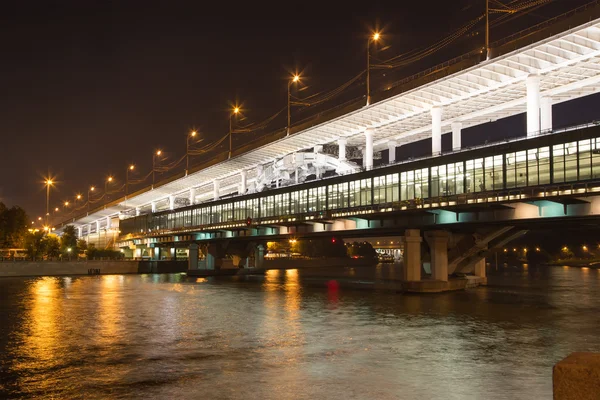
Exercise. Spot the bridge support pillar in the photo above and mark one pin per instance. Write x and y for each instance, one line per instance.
(79, 232)
(546, 113)
(212, 256)
(216, 189)
(456, 135)
(436, 130)
(480, 268)
(193, 256)
(153, 206)
(412, 255)
(171, 202)
(392, 151)
(137, 211)
(438, 247)
(243, 185)
(342, 149)
(98, 227)
(192, 196)
(259, 256)
(368, 151)
(533, 104)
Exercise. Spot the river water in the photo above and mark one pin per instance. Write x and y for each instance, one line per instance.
(277, 337)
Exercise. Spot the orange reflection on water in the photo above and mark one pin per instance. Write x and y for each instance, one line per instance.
(110, 304)
(43, 335)
(292, 290)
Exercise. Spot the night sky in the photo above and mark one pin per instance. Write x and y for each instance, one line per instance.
(88, 87)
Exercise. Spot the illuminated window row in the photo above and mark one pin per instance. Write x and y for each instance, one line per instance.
(565, 162)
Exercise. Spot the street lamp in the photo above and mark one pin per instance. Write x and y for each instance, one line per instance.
(156, 154)
(108, 180)
(235, 111)
(187, 149)
(130, 168)
(373, 38)
(91, 189)
(48, 183)
(294, 79)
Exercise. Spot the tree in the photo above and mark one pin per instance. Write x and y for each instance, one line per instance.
(82, 246)
(51, 246)
(68, 240)
(34, 244)
(13, 226)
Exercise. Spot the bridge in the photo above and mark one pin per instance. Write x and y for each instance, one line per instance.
(322, 180)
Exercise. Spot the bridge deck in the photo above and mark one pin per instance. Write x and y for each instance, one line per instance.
(559, 167)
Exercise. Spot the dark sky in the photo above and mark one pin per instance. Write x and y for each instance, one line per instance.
(90, 86)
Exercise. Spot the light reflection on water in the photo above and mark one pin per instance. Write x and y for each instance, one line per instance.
(278, 337)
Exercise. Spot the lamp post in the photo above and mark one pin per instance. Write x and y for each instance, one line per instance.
(130, 168)
(487, 29)
(235, 111)
(48, 184)
(294, 79)
(373, 38)
(187, 150)
(91, 189)
(108, 180)
(156, 154)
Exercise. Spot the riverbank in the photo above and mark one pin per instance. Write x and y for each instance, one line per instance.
(104, 267)
(575, 263)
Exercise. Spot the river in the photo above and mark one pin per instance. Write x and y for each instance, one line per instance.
(276, 337)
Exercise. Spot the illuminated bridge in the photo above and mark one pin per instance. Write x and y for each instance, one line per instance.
(307, 183)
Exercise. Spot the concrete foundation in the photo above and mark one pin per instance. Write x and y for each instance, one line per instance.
(577, 377)
(480, 271)
(412, 255)
(438, 246)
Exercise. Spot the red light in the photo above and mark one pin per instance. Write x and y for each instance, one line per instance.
(333, 240)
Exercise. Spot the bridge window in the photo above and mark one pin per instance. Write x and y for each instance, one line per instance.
(317, 199)
(585, 159)
(227, 212)
(493, 176)
(295, 203)
(558, 163)
(475, 178)
(360, 193)
(571, 161)
(266, 207)
(303, 199)
(385, 189)
(456, 178)
(414, 184)
(544, 165)
(333, 197)
(595, 158)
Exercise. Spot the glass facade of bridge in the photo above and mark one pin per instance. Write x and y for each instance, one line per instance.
(526, 163)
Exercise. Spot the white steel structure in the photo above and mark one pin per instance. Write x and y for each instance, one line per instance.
(563, 67)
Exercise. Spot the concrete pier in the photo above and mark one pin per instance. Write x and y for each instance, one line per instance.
(577, 377)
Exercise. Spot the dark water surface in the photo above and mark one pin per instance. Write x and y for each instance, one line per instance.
(173, 337)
